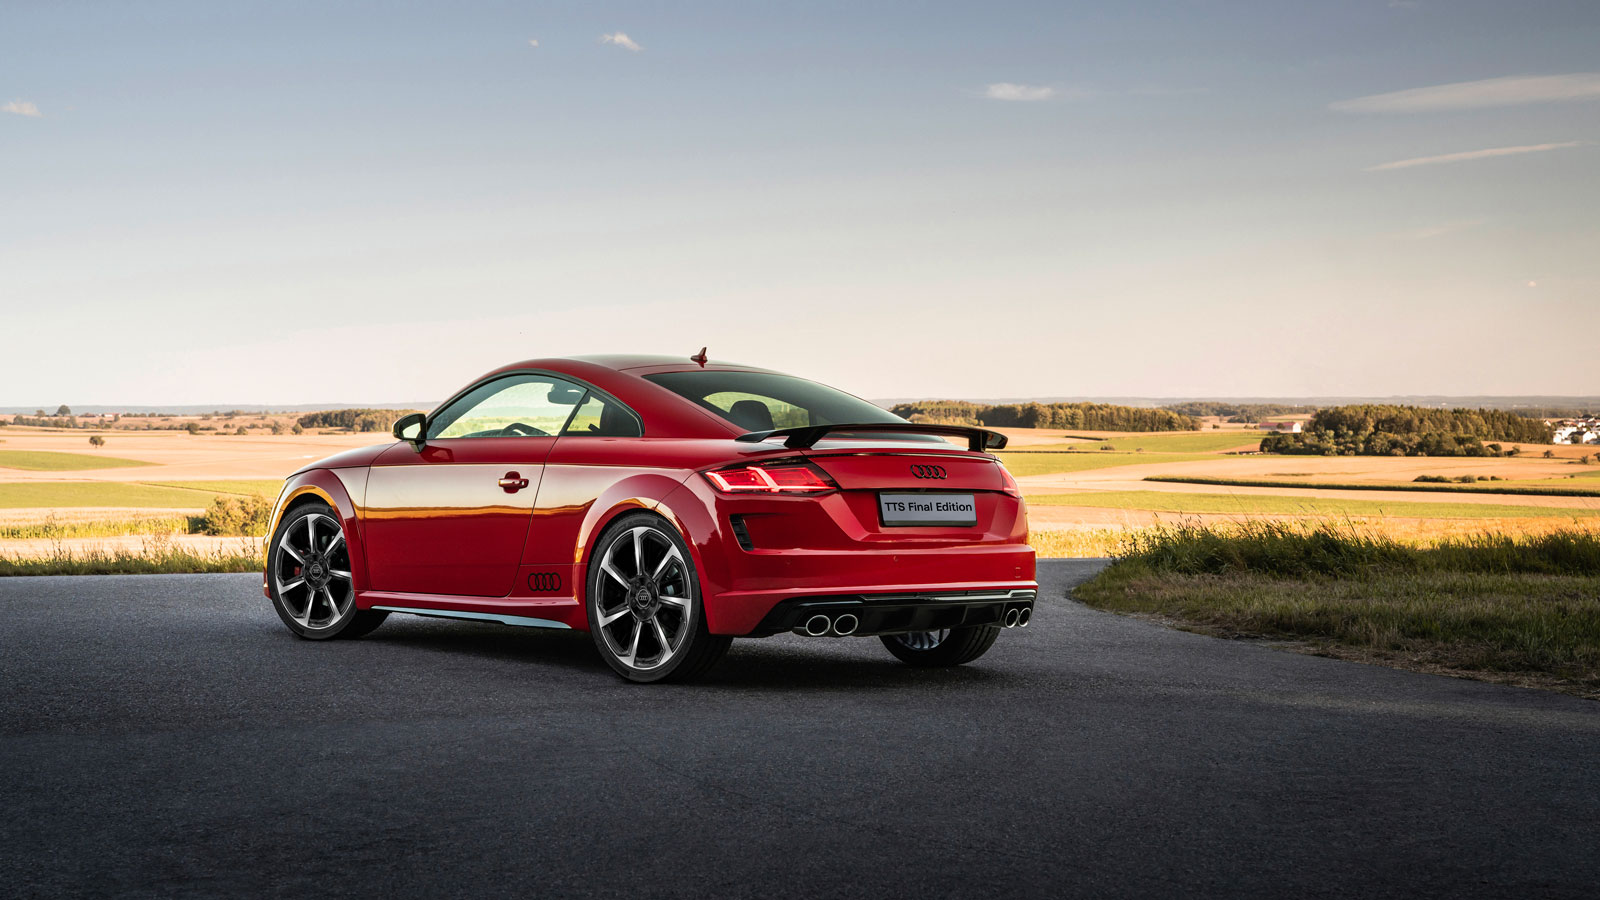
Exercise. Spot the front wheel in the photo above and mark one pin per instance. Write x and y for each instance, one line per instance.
(946, 647)
(645, 610)
(308, 575)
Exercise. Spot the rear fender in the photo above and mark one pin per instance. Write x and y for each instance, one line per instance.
(643, 492)
(696, 523)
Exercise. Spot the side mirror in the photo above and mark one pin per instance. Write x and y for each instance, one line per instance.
(409, 428)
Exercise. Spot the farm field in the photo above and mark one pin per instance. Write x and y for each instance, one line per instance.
(1049, 463)
(1547, 487)
(1244, 505)
(174, 455)
(119, 494)
(1164, 442)
(55, 461)
(1081, 496)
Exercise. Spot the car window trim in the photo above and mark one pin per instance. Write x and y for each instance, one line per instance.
(427, 422)
(637, 422)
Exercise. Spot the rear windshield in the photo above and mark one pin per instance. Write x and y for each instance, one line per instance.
(758, 401)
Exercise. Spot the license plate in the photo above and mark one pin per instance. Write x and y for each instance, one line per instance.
(927, 509)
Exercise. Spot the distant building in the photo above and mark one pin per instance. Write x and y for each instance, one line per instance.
(1281, 427)
(1575, 431)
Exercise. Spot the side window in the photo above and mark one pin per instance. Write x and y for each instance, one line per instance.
(513, 406)
(758, 413)
(599, 417)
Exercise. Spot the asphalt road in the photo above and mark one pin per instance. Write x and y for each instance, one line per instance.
(167, 736)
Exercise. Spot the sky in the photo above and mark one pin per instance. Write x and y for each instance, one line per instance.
(299, 202)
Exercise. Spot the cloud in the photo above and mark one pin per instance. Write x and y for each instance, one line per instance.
(22, 108)
(1005, 90)
(1433, 231)
(621, 40)
(1470, 155)
(533, 42)
(1511, 91)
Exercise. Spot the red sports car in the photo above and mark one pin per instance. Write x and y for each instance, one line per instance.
(666, 506)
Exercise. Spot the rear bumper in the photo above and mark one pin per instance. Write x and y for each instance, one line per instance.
(893, 584)
(797, 550)
(900, 612)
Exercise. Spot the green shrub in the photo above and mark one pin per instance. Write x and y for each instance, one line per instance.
(234, 515)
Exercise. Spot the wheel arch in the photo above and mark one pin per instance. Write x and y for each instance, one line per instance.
(327, 486)
(648, 496)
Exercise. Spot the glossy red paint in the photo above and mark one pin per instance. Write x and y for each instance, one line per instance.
(338, 488)
(448, 526)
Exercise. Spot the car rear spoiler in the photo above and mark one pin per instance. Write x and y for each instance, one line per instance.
(978, 439)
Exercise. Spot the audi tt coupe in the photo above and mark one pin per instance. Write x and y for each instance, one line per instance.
(666, 506)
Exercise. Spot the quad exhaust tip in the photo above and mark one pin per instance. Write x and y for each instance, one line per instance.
(818, 625)
(1011, 618)
(1024, 617)
(845, 625)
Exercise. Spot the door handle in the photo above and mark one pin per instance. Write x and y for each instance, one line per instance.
(511, 482)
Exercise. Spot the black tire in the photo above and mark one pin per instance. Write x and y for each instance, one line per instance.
(289, 582)
(683, 609)
(958, 646)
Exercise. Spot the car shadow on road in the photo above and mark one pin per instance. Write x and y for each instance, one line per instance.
(751, 665)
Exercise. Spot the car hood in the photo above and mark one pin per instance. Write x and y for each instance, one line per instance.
(361, 456)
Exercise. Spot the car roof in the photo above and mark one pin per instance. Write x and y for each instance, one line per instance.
(623, 362)
(664, 412)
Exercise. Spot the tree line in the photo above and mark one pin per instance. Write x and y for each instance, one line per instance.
(1385, 430)
(354, 419)
(1238, 412)
(1085, 416)
(1554, 412)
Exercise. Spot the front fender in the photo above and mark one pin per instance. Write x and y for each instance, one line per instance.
(338, 488)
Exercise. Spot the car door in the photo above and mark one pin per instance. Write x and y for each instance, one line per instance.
(452, 516)
(596, 450)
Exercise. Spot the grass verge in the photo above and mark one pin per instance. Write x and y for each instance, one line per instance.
(1076, 543)
(156, 557)
(1422, 487)
(1515, 609)
(53, 529)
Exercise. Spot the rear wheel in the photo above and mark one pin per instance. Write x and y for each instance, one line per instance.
(645, 609)
(946, 647)
(308, 575)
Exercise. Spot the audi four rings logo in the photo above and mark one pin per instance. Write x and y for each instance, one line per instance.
(929, 472)
(542, 582)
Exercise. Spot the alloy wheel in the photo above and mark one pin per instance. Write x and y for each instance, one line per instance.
(922, 640)
(643, 598)
(311, 570)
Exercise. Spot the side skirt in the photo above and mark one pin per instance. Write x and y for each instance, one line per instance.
(503, 619)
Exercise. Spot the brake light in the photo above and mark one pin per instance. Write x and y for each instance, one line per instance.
(1007, 483)
(789, 478)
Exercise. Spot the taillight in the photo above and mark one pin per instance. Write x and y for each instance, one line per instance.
(780, 478)
(1007, 483)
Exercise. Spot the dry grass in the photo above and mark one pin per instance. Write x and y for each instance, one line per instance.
(157, 555)
(1077, 543)
(1066, 543)
(1523, 609)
